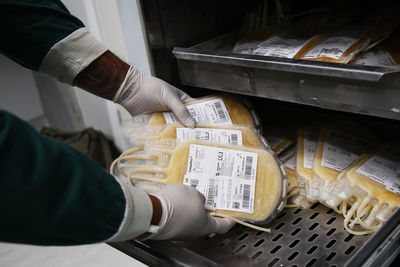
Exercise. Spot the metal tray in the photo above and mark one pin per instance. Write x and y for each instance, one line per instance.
(300, 237)
(358, 89)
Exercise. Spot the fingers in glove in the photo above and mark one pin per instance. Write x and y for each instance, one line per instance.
(188, 100)
(200, 195)
(185, 98)
(181, 112)
(220, 225)
(175, 99)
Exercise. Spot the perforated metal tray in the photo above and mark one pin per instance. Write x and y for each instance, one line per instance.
(300, 237)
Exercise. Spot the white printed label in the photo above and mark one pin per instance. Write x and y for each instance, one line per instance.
(334, 46)
(247, 47)
(341, 149)
(291, 162)
(310, 146)
(226, 177)
(384, 168)
(212, 112)
(221, 136)
(375, 57)
(282, 45)
(170, 118)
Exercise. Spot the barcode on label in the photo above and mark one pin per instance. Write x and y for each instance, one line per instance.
(211, 193)
(234, 139)
(221, 113)
(194, 183)
(246, 196)
(248, 167)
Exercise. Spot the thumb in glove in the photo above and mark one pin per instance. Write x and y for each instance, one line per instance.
(140, 94)
(184, 215)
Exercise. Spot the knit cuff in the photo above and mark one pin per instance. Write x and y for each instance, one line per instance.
(138, 214)
(71, 55)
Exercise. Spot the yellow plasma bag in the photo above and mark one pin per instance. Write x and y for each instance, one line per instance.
(251, 182)
(374, 180)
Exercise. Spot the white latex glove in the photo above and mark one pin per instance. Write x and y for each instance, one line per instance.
(184, 216)
(140, 93)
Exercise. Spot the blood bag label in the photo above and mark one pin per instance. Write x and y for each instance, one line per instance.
(220, 136)
(282, 45)
(246, 48)
(212, 112)
(226, 177)
(384, 168)
(341, 149)
(310, 146)
(335, 45)
(375, 57)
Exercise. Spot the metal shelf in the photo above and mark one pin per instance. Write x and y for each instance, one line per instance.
(357, 89)
(300, 237)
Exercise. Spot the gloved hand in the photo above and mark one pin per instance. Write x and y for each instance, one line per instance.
(184, 215)
(140, 93)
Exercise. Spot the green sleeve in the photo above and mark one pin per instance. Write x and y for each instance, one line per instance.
(29, 28)
(51, 194)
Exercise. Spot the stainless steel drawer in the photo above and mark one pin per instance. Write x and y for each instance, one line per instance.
(299, 237)
(358, 89)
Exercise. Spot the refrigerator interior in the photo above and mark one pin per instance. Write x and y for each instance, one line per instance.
(300, 236)
(190, 43)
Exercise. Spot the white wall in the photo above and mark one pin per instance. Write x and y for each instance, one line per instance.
(94, 109)
(116, 23)
(18, 92)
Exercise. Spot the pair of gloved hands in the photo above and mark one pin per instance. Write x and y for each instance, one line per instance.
(184, 215)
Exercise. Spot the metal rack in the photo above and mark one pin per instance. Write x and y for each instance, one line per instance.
(299, 237)
(352, 88)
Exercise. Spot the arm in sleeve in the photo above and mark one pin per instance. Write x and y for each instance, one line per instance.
(51, 194)
(43, 36)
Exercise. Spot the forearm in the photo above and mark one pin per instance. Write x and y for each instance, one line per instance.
(103, 76)
(51, 194)
(45, 37)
